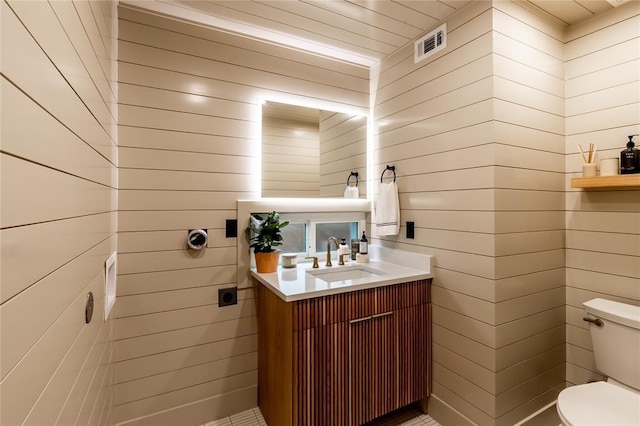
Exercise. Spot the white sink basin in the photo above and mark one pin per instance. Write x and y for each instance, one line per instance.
(345, 274)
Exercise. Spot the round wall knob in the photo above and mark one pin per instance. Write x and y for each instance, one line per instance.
(197, 239)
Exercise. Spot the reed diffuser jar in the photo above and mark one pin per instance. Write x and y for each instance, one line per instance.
(589, 170)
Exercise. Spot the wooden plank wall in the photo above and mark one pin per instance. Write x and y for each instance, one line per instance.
(189, 105)
(58, 223)
(603, 227)
(476, 133)
(433, 121)
(529, 180)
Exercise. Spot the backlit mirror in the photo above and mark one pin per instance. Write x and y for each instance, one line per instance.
(310, 153)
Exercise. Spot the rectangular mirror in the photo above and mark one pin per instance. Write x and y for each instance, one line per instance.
(310, 153)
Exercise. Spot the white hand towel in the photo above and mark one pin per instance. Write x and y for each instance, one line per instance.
(388, 210)
(352, 192)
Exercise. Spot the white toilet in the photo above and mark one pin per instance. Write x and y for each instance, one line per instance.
(615, 332)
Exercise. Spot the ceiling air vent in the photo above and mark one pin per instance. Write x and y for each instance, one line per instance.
(431, 43)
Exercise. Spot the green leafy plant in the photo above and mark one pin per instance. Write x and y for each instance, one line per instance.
(266, 232)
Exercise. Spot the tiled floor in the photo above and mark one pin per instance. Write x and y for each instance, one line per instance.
(409, 416)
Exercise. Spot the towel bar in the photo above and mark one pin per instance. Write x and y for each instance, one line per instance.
(392, 168)
(353, 174)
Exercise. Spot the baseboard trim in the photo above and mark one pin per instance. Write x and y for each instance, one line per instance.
(445, 414)
(201, 411)
(540, 411)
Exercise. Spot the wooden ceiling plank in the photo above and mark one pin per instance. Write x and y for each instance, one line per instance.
(364, 15)
(399, 12)
(302, 25)
(220, 10)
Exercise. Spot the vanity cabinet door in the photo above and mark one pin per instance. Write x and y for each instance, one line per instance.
(320, 373)
(372, 367)
(414, 355)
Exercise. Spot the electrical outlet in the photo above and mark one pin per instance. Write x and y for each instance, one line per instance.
(227, 296)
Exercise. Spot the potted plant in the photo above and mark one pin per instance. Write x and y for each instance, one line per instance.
(266, 236)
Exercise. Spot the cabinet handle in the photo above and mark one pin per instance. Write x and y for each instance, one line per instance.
(371, 317)
(360, 320)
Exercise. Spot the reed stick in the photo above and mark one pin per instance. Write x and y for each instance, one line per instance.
(582, 153)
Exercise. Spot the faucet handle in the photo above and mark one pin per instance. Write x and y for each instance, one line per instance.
(341, 257)
(315, 261)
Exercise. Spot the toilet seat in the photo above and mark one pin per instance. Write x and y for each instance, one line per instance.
(600, 404)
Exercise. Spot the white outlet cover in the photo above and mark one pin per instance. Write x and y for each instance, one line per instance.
(110, 284)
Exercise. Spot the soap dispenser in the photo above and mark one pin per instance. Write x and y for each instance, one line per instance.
(364, 244)
(343, 248)
(630, 158)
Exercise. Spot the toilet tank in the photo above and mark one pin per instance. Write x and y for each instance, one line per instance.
(616, 344)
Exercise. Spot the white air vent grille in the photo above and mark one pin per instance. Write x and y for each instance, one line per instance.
(431, 43)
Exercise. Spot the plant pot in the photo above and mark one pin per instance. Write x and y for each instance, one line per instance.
(267, 262)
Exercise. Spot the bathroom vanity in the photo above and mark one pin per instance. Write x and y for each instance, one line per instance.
(342, 345)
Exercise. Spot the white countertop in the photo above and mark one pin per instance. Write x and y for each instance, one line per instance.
(292, 284)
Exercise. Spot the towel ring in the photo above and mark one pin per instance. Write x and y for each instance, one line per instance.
(392, 168)
(353, 174)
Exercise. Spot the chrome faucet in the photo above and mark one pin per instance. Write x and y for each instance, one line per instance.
(335, 240)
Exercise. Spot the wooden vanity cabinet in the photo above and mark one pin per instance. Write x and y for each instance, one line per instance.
(343, 359)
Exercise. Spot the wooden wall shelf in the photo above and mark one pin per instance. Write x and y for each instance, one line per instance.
(619, 181)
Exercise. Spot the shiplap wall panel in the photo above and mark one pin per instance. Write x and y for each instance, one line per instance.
(25, 62)
(532, 100)
(241, 61)
(189, 126)
(83, 198)
(181, 338)
(270, 82)
(39, 365)
(150, 411)
(86, 346)
(494, 137)
(603, 235)
(59, 157)
(139, 389)
(99, 66)
(443, 82)
(249, 45)
(189, 142)
(32, 253)
(167, 240)
(131, 94)
(160, 179)
(162, 220)
(199, 313)
(176, 160)
(139, 199)
(167, 280)
(137, 368)
(22, 139)
(44, 26)
(22, 332)
(423, 112)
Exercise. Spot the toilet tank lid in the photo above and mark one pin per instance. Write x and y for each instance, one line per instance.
(621, 313)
